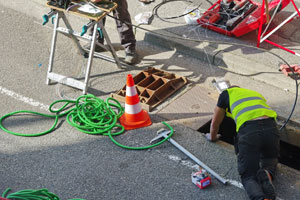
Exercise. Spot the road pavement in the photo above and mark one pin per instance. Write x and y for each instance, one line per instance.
(72, 164)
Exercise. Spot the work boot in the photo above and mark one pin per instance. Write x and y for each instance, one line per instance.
(131, 57)
(265, 180)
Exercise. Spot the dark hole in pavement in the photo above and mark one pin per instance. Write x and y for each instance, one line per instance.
(289, 154)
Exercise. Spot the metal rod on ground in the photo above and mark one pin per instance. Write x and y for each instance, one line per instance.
(165, 133)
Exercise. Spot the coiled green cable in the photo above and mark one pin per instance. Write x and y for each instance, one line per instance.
(90, 115)
(41, 194)
(87, 114)
(56, 117)
(96, 116)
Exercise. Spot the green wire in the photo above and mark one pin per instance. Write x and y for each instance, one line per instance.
(89, 115)
(41, 194)
(96, 116)
(145, 147)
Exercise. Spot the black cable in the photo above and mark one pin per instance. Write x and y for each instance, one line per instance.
(155, 9)
(229, 43)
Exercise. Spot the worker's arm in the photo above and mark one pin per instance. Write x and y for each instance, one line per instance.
(217, 119)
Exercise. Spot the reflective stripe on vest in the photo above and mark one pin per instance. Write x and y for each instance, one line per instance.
(248, 109)
(243, 100)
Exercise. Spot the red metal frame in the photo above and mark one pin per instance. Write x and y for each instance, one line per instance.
(259, 36)
(251, 22)
(255, 20)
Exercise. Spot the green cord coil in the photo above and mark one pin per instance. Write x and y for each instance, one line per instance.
(87, 114)
(41, 194)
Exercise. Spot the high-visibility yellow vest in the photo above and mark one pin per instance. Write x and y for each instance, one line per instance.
(246, 105)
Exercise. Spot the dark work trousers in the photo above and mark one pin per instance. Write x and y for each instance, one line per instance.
(127, 37)
(257, 147)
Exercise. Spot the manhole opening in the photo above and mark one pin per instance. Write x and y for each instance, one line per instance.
(289, 154)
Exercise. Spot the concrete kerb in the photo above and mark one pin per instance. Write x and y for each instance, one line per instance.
(234, 62)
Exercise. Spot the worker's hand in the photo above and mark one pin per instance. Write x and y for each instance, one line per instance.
(209, 138)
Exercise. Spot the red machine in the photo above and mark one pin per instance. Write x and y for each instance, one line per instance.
(237, 17)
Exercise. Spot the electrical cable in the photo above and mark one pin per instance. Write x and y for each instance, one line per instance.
(155, 10)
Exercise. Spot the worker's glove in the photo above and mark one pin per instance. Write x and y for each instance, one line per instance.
(208, 137)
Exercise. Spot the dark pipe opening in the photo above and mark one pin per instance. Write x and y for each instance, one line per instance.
(289, 154)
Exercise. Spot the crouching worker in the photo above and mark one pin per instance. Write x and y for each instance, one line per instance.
(257, 140)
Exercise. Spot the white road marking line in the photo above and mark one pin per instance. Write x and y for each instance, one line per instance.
(196, 167)
(22, 98)
(184, 162)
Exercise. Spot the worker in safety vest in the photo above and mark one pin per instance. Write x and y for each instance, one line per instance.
(257, 140)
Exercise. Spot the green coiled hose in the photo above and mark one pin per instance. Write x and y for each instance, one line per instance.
(87, 114)
(42, 194)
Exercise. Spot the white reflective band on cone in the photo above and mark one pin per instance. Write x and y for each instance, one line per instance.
(133, 109)
(130, 91)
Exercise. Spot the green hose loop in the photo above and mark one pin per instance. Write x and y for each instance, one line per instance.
(67, 102)
(29, 134)
(56, 116)
(41, 194)
(145, 147)
(96, 116)
(89, 115)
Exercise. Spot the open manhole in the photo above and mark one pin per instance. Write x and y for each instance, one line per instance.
(289, 154)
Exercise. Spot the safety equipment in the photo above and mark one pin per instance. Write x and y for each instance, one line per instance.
(247, 105)
(134, 117)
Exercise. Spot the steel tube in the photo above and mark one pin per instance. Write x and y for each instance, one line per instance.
(186, 152)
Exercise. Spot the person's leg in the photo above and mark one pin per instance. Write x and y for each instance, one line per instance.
(269, 158)
(99, 37)
(248, 161)
(271, 147)
(126, 34)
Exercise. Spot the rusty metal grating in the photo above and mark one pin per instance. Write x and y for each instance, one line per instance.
(153, 87)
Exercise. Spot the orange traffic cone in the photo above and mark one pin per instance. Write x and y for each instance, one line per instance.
(134, 117)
